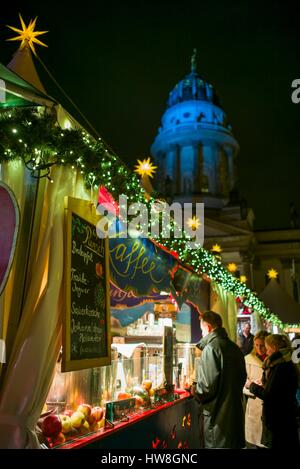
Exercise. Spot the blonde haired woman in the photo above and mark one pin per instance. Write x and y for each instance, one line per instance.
(254, 362)
(278, 393)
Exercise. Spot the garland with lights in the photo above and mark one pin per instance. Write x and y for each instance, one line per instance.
(33, 135)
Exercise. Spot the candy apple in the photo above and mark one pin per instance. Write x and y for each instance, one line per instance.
(66, 423)
(85, 409)
(51, 426)
(77, 419)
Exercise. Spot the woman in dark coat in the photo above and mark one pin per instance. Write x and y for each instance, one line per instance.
(278, 392)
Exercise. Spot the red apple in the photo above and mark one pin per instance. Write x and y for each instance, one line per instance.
(51, 426)
(96, 415)
(92, 418)
(85, 409)
(59, 439)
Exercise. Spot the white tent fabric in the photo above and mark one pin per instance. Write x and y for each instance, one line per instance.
(280, 303)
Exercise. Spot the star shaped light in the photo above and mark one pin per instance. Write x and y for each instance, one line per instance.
(243, 278)
(216, 248)
(272, 273)
(27, 35)
(232, 267)
(194, 223)
(145, 168)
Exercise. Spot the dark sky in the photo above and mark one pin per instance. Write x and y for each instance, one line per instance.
(119, 60)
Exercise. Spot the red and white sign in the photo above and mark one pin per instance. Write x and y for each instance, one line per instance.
(9, 226)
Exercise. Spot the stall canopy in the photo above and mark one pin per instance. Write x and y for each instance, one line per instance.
(280, 303)
(16, 92)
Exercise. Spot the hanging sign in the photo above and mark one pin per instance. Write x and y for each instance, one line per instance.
(86, 325)
(9, 227)
(139, 266)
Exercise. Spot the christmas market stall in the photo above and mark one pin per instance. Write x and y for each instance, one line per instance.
(97, 333)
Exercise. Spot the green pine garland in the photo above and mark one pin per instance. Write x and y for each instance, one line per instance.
(33, 135)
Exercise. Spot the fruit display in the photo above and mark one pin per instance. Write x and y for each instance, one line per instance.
(61, 424)
(72, 423)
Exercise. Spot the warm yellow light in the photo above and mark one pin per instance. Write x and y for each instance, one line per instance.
(145, 168)
(232, 267)
(194, 223)
(272, 273)
(27, 35)
(243, 278)
(216, 248)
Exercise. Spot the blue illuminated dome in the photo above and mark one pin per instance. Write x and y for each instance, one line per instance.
(195, 148)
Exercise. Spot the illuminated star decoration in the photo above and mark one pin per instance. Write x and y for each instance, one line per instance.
(27, 35)
(243, 278)
(145, 168)
(194, 223)
(272, 274)
(216, 248)
(232, 267)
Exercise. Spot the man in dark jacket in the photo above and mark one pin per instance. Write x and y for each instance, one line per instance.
(220, 377)
(246, 339)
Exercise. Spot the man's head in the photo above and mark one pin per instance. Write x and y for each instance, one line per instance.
(209, 322)
(247, 328)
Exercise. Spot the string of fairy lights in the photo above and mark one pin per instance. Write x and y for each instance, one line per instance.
(32, 135)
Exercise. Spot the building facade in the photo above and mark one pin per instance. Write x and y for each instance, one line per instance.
(195, 151)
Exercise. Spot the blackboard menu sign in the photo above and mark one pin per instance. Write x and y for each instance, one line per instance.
(86, 325)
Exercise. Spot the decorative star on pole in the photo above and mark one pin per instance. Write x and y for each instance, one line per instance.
(194, 223)
(145, 168)
(27, 35)
(232, 267)
(272, 274)
(216, 248)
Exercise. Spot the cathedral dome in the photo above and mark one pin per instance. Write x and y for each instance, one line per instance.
(193, 87)
(195, 148)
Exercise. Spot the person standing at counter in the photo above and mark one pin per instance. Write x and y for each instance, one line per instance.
(220, 377)
(278, 392)
(254, 363)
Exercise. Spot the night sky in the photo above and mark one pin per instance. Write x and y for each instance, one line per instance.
(119, 60)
